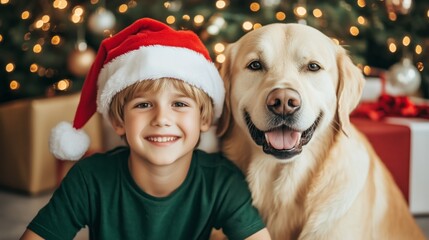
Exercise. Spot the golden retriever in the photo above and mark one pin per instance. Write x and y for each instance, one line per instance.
(290, 90)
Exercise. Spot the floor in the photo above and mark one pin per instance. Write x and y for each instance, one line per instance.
(16, 210)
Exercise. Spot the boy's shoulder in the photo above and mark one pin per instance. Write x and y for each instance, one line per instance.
(101, 167)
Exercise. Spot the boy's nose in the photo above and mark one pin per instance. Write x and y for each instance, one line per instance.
(161, 118)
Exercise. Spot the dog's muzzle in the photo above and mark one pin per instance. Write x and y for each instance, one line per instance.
(281, 141)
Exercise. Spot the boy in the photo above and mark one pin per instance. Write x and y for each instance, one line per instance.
(160, 90)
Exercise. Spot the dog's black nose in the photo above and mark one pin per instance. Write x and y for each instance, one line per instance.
(283, 101)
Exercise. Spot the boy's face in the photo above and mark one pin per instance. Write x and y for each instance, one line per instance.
(161, 127)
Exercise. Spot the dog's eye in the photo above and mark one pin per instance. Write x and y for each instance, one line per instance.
(255, 66)
(313, 67)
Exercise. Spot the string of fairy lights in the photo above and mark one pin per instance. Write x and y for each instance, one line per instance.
(102, 21)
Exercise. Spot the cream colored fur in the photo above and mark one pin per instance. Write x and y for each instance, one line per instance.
(337, 187)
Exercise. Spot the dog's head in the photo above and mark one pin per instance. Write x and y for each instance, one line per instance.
(286, 83)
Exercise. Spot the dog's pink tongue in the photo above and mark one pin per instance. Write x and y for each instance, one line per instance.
(283, 139)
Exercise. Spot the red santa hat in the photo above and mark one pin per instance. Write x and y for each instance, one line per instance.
(145, 50)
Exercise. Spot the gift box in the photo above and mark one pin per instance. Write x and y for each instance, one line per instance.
(25, 125)
(402, 144)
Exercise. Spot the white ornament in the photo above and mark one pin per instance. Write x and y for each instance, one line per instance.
(404, 77)
(101, 20)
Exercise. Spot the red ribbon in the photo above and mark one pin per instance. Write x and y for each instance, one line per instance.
(391, 106)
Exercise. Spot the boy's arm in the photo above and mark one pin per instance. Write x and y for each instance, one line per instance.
(30, 235)
(263, 234)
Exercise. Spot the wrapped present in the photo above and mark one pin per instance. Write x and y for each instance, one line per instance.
(25, 125)
(402, 144)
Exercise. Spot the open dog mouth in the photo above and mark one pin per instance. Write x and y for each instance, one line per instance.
(283, 142)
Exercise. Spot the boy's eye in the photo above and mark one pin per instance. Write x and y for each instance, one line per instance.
(179, 104)
(143, 105)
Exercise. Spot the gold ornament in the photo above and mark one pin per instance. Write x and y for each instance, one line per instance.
(80, 61)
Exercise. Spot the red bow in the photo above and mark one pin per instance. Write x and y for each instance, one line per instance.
(391, 106)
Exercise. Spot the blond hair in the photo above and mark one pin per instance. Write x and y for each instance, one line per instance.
(204, 102)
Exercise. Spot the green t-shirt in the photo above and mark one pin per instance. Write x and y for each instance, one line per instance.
(100, 193)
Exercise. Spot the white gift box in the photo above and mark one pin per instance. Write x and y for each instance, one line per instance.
(419, 162)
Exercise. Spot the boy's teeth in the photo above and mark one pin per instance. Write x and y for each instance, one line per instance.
(162, 139)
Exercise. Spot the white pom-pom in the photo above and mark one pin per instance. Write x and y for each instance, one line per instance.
(209, 142)
(67, 143)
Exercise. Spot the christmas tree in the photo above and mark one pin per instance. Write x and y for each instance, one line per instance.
(47, 46)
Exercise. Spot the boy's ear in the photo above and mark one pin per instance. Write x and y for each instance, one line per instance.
(208, 140)
(205, 125)
(117, 126)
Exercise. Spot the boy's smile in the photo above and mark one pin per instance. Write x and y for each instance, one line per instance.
(162, 139)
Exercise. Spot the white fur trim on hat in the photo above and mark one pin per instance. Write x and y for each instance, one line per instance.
(154, 62)
(67, 143)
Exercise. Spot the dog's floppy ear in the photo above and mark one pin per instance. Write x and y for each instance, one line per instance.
(225, 72)
(349, 90)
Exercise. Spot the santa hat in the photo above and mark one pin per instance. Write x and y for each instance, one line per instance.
(145, 50)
